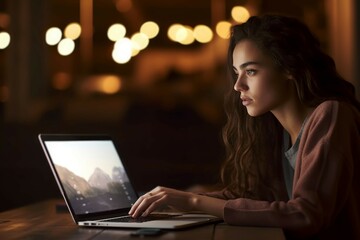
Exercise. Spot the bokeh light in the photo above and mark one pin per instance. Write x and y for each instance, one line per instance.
(140, 41)
(72, 31)
(203, 33)
(66, 46)
(116, 32)
(4, 40)
(134, 51)
(150, 29)
(110, 84)
(223, 29)
(53, 36)
(122, 51)
(185, 35)
(240, 14)
(172, 31)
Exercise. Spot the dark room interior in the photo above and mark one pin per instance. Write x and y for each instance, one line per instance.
(163, 106)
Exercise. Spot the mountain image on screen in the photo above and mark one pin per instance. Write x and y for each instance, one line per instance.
(100, 193)
(99, 179)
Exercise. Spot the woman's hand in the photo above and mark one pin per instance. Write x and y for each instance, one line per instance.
(161, 197)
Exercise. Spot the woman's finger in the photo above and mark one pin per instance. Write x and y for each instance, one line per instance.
(153, 206)
(138, 202)
(135, 205)
(142, 204)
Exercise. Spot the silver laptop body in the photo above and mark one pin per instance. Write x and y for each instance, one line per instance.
(95, 186)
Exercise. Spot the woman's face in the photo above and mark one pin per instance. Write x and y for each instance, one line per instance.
(261, 85)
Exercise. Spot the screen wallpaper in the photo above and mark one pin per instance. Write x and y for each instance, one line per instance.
(92, 175)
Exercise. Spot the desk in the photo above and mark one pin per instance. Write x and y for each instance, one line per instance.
(42, 221)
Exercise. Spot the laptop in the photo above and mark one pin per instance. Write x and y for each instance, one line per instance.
(96, 188)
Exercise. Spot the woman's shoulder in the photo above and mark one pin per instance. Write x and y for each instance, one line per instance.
(332, 122)
(334, 110)
(335, 106)
(332, 104)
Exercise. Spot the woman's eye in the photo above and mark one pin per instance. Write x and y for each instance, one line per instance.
(250, 72)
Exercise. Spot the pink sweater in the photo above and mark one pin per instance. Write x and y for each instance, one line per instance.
(326, 188)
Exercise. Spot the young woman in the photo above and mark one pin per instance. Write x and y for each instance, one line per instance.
(292, 138)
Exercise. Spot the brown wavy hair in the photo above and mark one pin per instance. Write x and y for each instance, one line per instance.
(252, 167)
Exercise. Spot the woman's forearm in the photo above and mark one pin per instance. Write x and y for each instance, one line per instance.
(210, 205)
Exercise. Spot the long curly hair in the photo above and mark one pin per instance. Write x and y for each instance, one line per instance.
(252, 167)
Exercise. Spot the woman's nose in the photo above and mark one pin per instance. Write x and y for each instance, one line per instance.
(239, 85)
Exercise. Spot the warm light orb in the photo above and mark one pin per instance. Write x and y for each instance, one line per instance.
(203, 34)
(53, 36)
(116, 31)
(223, 29)
(4, 40)
(140, 41)
(122, 51)
(134, 51)
(110, 84)
(150, 29)
(66, 46)
(240, 14)
(185, 35)
(181, 34)
(172, 31)
(72, 31)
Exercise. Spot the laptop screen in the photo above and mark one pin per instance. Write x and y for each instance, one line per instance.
(92, 175)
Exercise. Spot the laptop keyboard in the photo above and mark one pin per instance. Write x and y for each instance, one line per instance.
(150, 217)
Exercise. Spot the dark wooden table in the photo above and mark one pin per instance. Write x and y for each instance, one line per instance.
(43, 221)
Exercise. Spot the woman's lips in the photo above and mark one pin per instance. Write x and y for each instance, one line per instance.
(246, 101)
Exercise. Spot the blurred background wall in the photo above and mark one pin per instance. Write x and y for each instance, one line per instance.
(66, 68)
